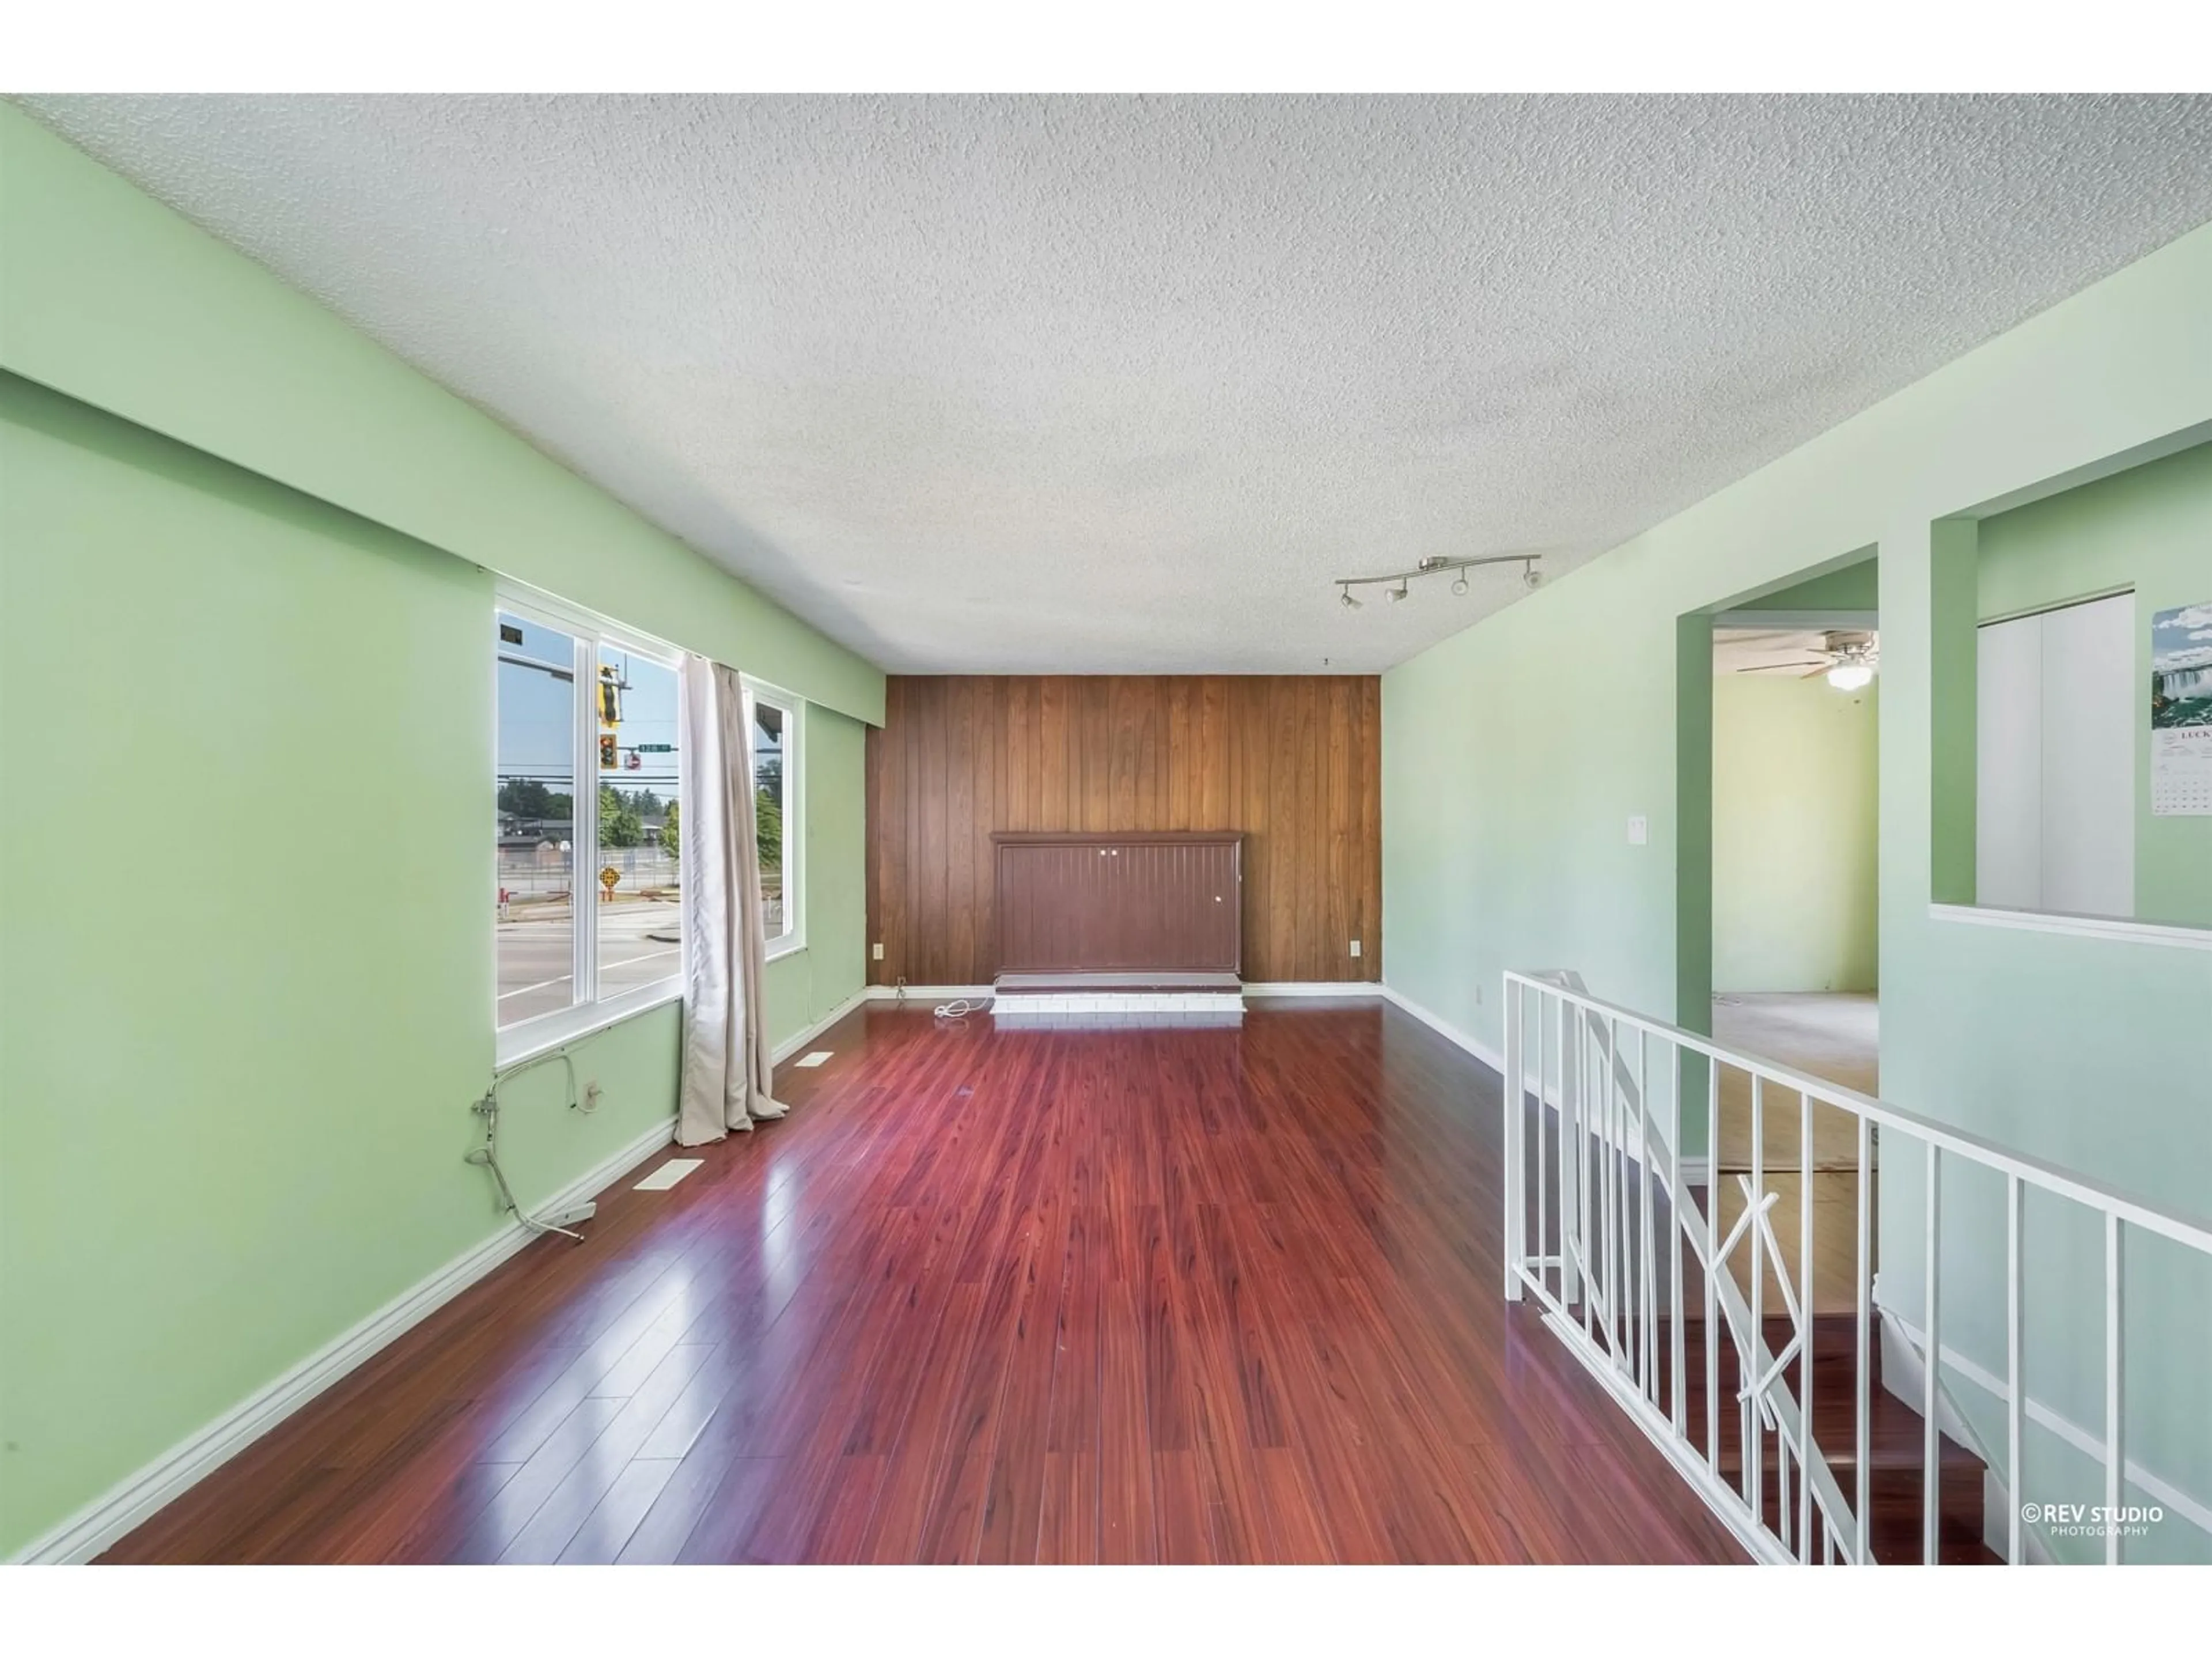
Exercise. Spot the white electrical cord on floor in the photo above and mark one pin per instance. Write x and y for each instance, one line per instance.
(487, 1155)
(961, 1007)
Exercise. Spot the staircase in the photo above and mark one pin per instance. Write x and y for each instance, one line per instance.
(1895, 1437)
(1779, 1419)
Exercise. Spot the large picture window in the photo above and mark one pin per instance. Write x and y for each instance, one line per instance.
(588, 922)
(777, 726)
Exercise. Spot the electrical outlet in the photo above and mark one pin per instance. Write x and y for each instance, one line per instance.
(1355, 947)
(1639, 830)
(591, 1095)
(879, 949)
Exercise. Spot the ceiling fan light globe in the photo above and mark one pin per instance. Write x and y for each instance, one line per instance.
(1850, 676)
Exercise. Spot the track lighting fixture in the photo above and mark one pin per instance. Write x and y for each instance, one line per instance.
(1393, 583)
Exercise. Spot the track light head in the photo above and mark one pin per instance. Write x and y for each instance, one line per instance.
(1459, 583)
(1396, 594)
(1350, 604)
(1531, 578)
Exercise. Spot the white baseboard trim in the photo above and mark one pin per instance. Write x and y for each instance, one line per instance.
(916, 994)
(137, 1496)
(1904, 1374)
(1696, 1171)
(1444, 1028)
(791, 1045)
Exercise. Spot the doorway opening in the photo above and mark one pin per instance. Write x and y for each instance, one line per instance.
(1796, 887)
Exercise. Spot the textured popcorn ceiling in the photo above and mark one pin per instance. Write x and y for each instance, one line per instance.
(1088, 384)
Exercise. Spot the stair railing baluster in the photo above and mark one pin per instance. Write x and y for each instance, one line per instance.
(2016, 1476)
(1677, 1223)
(1751, 1459)
(1931, 1436)
(1862, 1396)
(1569, 1291)
(1805, 1360)
(1610, 1185)
(1543, 1170)
(1586, 1267)
(1712, 1263)
(2115, 1450)
(1602, 1182)
(1643, 1182)
(1514, 1106)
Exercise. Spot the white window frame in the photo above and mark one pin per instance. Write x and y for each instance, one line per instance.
(588, 1012)
(793, 709)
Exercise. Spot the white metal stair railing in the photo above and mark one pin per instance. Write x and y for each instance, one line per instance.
(1582, 1237)
(1765, 1407)
(1775, 1407)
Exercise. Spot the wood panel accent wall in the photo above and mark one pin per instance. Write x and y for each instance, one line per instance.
(1293, 761)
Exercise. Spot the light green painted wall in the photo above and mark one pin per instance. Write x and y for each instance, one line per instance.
(1795, 836)
(2149, 528)
(1508, 778)
(1854, 587)
(109, 296)
(244, 966)
(234, 1092)
(233, 1089)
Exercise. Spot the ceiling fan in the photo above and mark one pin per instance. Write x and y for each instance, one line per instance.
(1847, 656)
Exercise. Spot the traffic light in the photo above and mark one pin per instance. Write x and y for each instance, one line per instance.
(610, 718)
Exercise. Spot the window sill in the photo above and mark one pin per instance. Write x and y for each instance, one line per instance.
(533, 1038)
(2172, 934)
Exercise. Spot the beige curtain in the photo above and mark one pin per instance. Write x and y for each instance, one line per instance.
(726, 1071)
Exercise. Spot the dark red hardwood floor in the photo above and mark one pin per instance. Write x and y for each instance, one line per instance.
(1166, 1294)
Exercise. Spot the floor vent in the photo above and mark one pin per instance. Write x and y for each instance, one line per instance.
(814, 1059)
(668, 1175)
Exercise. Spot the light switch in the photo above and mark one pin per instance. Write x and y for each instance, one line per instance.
(1639, 830)
(1355, 947)
(879, 950)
